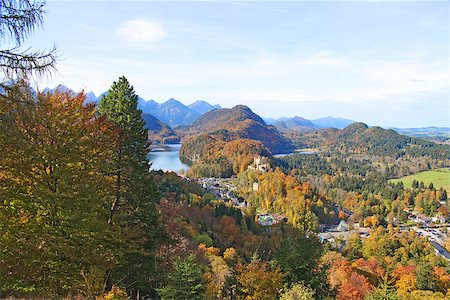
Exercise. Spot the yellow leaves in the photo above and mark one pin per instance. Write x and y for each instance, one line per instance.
(406, 284)
(217, 276)
(372, 221)
(55, 190)
(258, 281)
(230, 255)
(23, 217)
(116, 293)
(405, 279)
(209, 251)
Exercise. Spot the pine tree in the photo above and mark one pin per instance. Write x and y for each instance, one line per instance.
(299, 256)
(384, 291)
(185, 282)
(135, 193)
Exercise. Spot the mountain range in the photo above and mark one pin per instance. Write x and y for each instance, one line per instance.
(172, 112)
(176, 114)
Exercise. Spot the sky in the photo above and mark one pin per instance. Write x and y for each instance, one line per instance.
(381, 62)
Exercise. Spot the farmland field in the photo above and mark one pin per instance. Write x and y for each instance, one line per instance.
(439, 178)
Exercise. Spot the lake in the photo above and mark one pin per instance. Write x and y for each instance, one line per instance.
(299, 151)
(167, 158)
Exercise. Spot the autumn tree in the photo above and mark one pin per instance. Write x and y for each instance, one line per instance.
(353, 247)
(298, 292)
(18, 20)
(258, 280)
(443, 278)
(355, 287)
(135, 194)
(376, 245)
(405, 280)
(218, 272)
(55, 238)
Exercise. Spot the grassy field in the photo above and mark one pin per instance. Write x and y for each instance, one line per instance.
(439, 178)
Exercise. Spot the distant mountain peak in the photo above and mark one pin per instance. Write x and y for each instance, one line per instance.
(356, 127)
(202, 106)
(293, 123)
(332, 122)
(91, 98)
(60, 88)
(199, 102)
(173, 101)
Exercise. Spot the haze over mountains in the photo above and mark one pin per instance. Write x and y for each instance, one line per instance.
(175, 114)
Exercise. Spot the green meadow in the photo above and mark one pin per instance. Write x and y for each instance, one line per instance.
(439, 178)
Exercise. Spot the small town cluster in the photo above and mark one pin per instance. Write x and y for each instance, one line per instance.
(433, 228)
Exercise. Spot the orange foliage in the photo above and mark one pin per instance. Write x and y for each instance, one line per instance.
(405, 279)
(443, 278)
(371, 268)
(356, 287)
(348, 282)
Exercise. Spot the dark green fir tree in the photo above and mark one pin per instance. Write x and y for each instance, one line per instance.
(135, 194)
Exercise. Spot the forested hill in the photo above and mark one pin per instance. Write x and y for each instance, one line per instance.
(159, 131)
(226, 118)
(240, 122)
(361, 139)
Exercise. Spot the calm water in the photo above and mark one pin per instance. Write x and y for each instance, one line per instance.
(303, 151)
(167, 159)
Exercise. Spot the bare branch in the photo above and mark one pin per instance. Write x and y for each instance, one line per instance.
(26, 63)
(19, 18)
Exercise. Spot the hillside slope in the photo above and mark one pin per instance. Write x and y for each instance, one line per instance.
(361, 139)
(240, 122)
(159, 132)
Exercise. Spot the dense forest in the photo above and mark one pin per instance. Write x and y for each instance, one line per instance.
(358, 138)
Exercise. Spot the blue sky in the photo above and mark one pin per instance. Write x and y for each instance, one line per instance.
(384, 63)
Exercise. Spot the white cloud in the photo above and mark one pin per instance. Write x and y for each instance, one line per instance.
(318, 77)
(141, 31)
